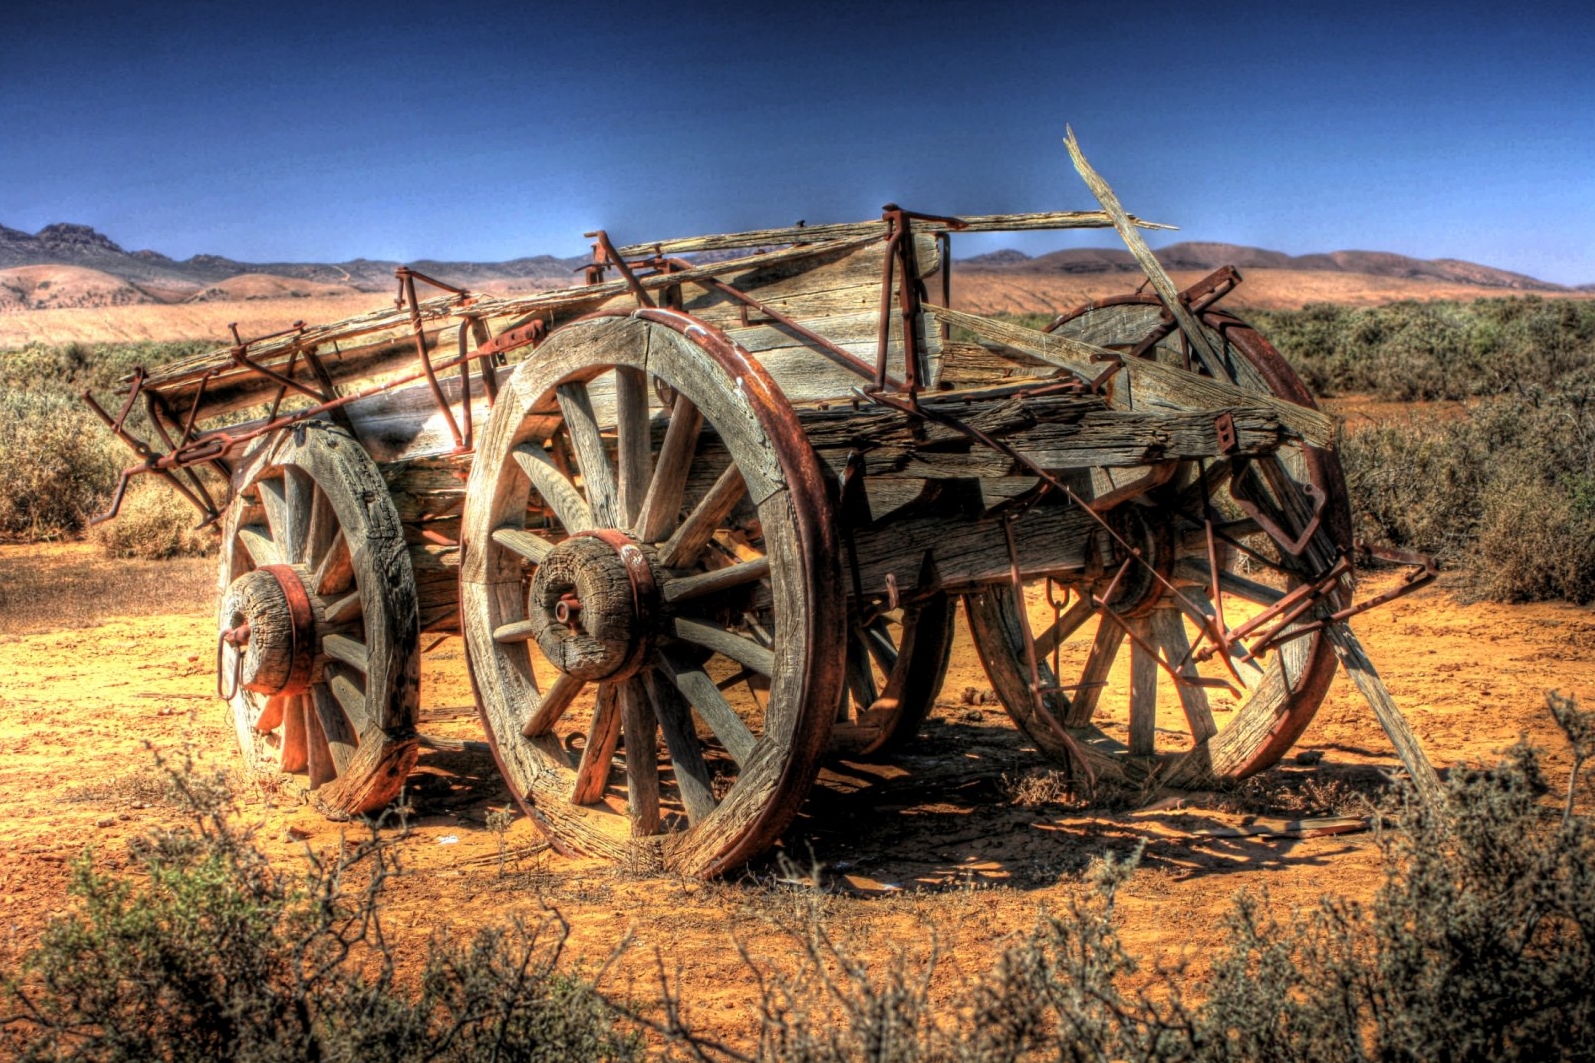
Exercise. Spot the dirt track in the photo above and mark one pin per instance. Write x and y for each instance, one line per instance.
(933, 844)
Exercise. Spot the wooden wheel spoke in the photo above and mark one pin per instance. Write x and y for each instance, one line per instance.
(334, 572)
(271, 715)
(703, 694)
(633, 442)
(345, 609)
(532, 547)
(319, 764)
(1104, 648)
(552, 705)
(688, 540)
(299, 496)
(292, 755)
(351, 652)
(860, 679)
(1060, 629)
(878, 642)
(642, 757)
(342, 737)
(716, 580)
(274, 501)
(662, 504)
(744, 651)
(551, 484)
(686, 755)
(323, 526)
(603, 735)
(349, 695)
(515, 631)
(1197, 571)
(258, 543)
(587, 442)
(1168, 631)
(1201, 615)
(1143, 691)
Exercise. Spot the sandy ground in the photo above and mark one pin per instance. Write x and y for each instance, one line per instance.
(931, 847)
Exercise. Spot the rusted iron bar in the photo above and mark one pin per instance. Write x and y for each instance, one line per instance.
(407, 297)
(604, 254)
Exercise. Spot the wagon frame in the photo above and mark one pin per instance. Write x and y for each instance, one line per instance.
(716, 515)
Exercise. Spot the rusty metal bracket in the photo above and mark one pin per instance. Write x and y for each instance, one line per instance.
(604, 254)
(407, 278)
(1224, 426)
(1253, 506)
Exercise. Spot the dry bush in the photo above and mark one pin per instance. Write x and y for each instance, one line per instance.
(212, 953)
(155, 523)
(57, 465)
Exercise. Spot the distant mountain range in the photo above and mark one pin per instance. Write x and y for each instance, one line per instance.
(68, 265)
(1199, 255)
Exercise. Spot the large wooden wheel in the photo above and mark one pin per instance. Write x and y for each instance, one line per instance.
(648, 553)
(317, 653)
(1134, 721)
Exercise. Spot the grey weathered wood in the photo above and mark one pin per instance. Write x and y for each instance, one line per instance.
(1168, 631)
(704, 695)
(1161, 283)
(560, 494)
(603, 735)
(716, 580)
(876, 229)
(661, 506)
(686, 755)
(598, 478)
(1094, 677)
(737, 647)
(555, 700)
(634, 456)
(699, 526)
(334, 571)
(642, 757)
(532, 547)
(351, 652)
(337, 730)
(1150, 384)
(1143, 692)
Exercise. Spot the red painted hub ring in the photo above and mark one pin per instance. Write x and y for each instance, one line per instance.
(302, 628)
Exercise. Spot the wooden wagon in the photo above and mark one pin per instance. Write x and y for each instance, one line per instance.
(703, 522)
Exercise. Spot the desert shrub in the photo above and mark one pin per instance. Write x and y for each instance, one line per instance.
(1435, 350)
(1480, 945)
(1506, 492)
(68, 368)
(212, 953)
(155, 523)
(57, 465)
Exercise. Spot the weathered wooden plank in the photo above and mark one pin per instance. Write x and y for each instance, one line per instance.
(1161, 282)
(876, 229)
(1150, 384)
(642, 757)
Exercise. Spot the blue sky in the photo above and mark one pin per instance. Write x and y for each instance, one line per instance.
(284, 132)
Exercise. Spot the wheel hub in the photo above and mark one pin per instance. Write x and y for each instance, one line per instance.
(591, 605)
(1138, 589)
(269, 617)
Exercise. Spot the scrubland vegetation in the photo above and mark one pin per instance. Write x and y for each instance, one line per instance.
(1500, 485)
(1480, 945)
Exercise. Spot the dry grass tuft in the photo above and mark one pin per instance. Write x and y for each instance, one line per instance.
(155, 524)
